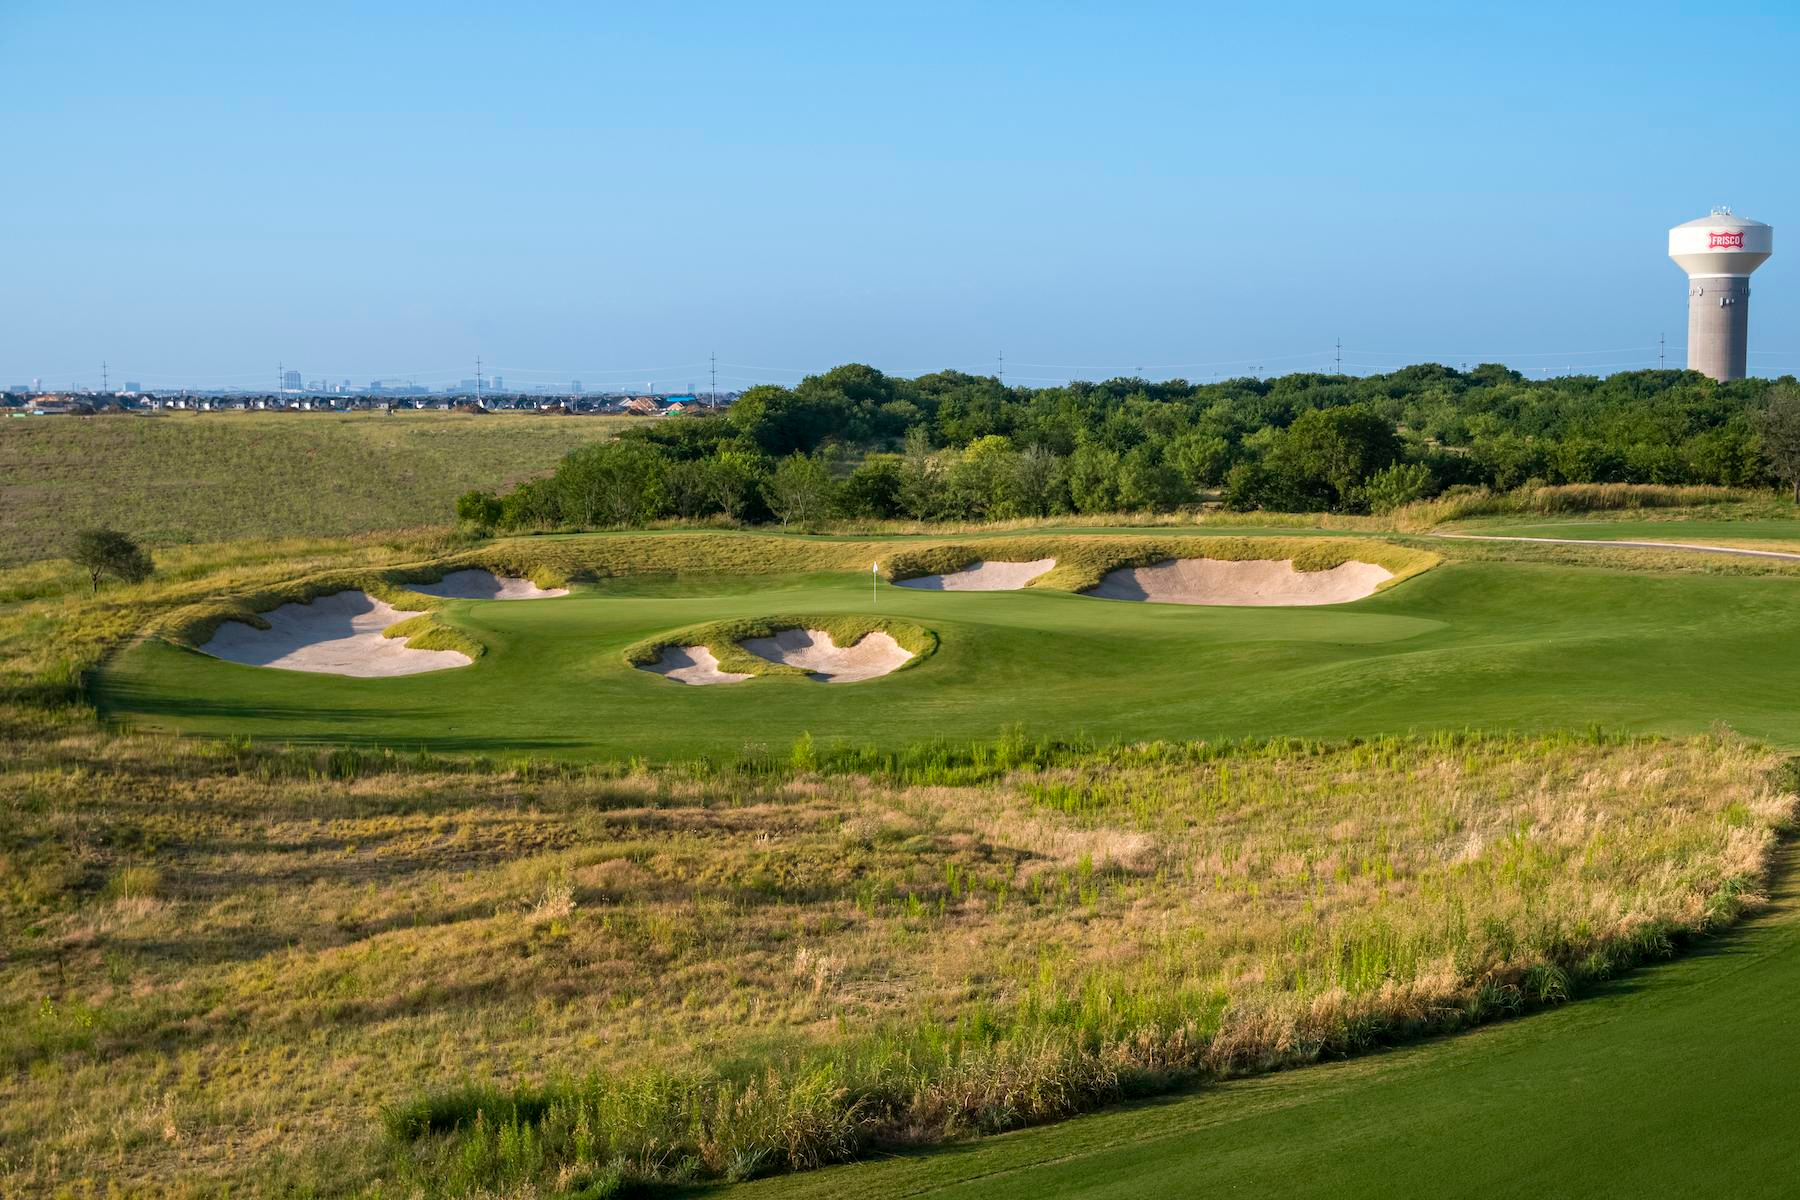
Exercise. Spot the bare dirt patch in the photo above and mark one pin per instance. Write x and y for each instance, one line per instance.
(1253, 582)
(340, 634)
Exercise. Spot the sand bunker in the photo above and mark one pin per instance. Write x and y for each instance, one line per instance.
(983, 576)
(334, 635)
(813, 651)
(1260, 582)
(691, 664)
(485, 585)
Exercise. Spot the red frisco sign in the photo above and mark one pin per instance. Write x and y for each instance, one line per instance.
(1716, 240)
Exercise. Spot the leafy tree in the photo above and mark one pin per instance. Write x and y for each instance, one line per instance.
(1399, 484)
(920, 483)
(978, 484)
(799, 491)
(1147, 482)
(478, 508)
(732, 480)
(1327, 453)
(615, 483)
(1202, 459)
(1780, 429)
(1037, 484)
(1093, 473)
(688, 488)
(872, 489)
(108, 552)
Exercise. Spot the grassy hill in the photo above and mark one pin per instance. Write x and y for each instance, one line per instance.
(202, 477)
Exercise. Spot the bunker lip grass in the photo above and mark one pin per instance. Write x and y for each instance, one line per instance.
(344, 633)
(1248, 583)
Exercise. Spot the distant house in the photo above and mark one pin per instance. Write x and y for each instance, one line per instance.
(643, 406)
(56, 406)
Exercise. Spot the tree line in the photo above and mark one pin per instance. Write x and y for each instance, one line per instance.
(855, 443)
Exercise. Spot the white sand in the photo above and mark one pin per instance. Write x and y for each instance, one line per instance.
(334, 635)
(691, 664)
(813, 651)
(1259, 582)
(485, 585)
(983, 576)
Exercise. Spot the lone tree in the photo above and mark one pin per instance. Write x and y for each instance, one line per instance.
(109, 552)
(1780, 428)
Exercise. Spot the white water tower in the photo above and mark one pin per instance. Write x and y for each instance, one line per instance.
(1718, 252)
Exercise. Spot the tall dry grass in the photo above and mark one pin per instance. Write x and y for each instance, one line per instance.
(225, 961)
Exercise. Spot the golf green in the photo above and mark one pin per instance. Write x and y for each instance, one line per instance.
(1494, 645)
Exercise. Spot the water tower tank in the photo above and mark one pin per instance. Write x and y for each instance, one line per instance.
(1718, 252)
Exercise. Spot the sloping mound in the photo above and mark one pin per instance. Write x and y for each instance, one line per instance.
(340, 634)
(692, 665)
(478, 584)
(1252, 582)
(982, 576)
(813, 651)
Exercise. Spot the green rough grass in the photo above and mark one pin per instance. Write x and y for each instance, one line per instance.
(201, 477)
(725, 639)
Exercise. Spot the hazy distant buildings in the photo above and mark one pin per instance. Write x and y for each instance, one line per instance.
(290, 381)
(575, 388)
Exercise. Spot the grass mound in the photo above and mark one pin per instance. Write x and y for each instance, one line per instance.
(725, 639)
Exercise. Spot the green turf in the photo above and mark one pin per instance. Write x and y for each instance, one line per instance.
(1672, 1082)
(1501, 645)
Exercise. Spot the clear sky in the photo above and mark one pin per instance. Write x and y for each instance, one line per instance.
(195, 193)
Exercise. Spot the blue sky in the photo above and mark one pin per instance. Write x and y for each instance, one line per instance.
(196, 193)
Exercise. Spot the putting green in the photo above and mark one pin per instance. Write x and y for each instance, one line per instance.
(1669, 1082)
(1497, 644)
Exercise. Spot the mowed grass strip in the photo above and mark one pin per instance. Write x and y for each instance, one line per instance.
(207, 477)
(574, 977)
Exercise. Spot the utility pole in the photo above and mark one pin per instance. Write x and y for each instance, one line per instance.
(1340, 356)
(712, 362)
(1002, 375)
(1661, 350)
(103, 386)
(478, 380)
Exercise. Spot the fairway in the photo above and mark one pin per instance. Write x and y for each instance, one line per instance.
(1671, 1082)
(1489, 644)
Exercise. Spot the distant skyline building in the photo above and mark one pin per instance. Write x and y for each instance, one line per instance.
(290, 381)
(1718, 252)
(575, 388)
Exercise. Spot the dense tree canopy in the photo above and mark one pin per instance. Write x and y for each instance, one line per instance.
(854, 442)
